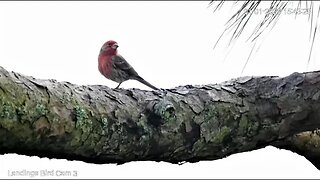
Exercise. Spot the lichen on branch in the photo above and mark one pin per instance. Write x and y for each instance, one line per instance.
(184, 124)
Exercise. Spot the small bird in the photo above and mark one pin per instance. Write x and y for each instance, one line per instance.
(114, 67)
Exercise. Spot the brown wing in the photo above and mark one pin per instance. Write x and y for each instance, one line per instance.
(125, 71)
(121, 64)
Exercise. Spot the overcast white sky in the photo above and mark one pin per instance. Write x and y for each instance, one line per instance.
(169, 44)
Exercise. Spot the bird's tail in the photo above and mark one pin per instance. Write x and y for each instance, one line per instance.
(140, 79)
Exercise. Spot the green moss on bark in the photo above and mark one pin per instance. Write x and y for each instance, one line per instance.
(41, 110)
(222, 135)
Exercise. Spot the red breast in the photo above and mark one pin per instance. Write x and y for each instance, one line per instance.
(104, 65)
(108, 50)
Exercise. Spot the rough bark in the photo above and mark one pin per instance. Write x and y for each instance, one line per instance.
(306, 144)
(185, 124)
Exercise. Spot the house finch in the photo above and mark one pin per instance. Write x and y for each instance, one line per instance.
(114, 67)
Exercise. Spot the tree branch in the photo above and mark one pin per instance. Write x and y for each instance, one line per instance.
(191, 123)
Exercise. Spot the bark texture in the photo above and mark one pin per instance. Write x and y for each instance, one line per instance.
(185, 124)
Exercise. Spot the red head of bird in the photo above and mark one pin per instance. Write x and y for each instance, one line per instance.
(109, 48)
(107, 51)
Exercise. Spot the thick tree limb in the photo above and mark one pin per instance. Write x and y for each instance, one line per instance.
(102, 125)
(306, 144)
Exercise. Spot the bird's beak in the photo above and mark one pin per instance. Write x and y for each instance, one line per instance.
(115, 46)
